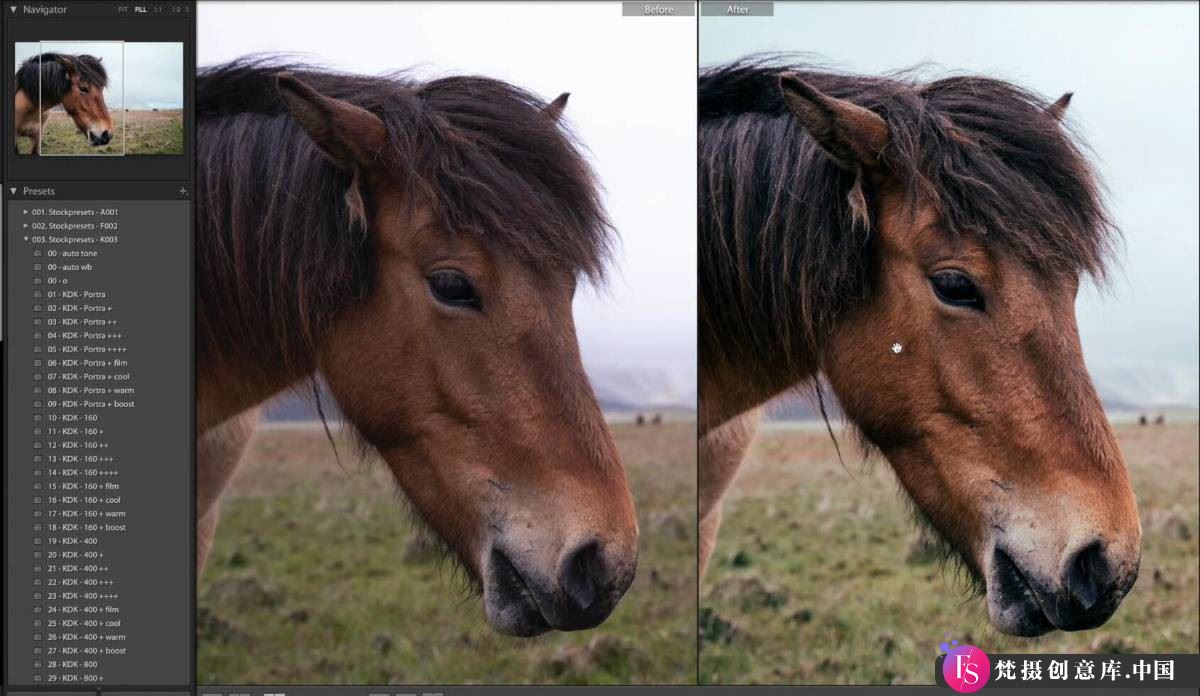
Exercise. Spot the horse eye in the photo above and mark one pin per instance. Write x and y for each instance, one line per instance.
(453, 288)
(83, 89)
(955, 288)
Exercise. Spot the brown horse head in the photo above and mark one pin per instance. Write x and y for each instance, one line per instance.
(961, 358)
(459, 363)
(78, 84)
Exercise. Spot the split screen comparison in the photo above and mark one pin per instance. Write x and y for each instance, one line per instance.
(449, 345)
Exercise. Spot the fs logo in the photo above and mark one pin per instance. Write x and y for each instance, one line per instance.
(966, 668)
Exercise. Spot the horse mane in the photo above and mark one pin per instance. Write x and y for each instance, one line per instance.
(781, 253)
(278, 253)
(45, 75)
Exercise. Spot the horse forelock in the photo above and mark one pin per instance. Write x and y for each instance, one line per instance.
(46, 75)
(782, 250)
(478, 152)
(92, 70)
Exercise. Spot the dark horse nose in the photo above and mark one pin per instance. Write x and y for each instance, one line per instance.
(1091, 590)
(1088, 589)
(579, 591)
(588, 584)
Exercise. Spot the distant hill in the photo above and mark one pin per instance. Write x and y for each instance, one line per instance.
(619, 389)
(1148, 387)
(1123, 389)
(644, 388)
(299, 406)
(624, 389)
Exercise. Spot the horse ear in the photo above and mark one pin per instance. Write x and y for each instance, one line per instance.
(852, 135)
(1059, 108)
(68, 64)
(350, 135)
(555, 108)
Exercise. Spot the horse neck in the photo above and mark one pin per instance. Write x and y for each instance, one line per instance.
(256, 335)
(754, 352)
(47, 103)
(730, 387)
(240, 360)
(235, 381)
(747, 362)
(42, 103)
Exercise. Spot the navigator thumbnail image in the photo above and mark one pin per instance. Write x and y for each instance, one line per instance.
(91, 98)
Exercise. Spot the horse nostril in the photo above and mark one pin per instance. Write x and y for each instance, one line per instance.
(585, 576)
(1088, 577)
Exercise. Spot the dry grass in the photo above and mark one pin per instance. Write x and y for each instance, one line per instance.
(820, 578)
(317, 578)
(136, 133)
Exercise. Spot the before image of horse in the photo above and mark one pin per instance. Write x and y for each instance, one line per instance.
(417, 244)
(919, 245)
(75, 82)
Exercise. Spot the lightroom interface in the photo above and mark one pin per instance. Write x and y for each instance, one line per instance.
(392, 348)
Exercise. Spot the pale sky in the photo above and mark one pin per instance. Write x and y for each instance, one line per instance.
(142, 75)
(633, 104)
(1133, 69)
(154, 75)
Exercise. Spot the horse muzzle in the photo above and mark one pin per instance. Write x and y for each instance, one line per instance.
(1082, 592)
(579, 592)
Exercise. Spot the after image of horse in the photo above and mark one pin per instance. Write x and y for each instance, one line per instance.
(417, 244)
(74, 82)
(919, 244)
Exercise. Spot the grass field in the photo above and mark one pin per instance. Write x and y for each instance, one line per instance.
(317, 577)
(817, 579)
(144, 133)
